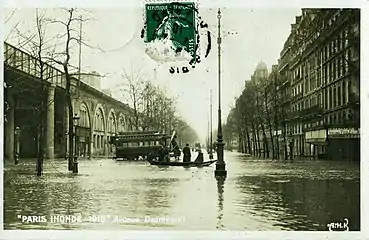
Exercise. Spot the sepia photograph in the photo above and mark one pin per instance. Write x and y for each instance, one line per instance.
(178, 115)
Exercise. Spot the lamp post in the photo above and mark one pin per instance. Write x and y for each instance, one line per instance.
(211, 125)
(220, 165)
(16, 150)
(75, 160)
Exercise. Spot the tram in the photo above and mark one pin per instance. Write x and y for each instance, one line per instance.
(148, 145)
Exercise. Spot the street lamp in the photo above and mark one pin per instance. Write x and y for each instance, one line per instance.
(16, 150)
(75, 160)
(211, 125)
(220, 165)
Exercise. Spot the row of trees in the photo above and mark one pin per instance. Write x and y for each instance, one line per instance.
(153, 108)
(261, 115)
(254, 121)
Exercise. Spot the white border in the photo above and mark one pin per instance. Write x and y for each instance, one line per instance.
(30, 234)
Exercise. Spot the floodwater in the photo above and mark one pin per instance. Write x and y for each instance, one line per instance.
(111, 195)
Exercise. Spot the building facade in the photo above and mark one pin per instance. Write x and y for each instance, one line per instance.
(323, 72)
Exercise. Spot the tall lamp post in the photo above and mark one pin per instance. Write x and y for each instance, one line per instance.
(211, 126)
(16, 152)
(75, 160)
(220, 165)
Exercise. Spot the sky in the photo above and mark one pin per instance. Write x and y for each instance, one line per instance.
(258, 34)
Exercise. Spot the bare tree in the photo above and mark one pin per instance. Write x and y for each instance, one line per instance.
(36, 43)
(71, 34)
(133, 90)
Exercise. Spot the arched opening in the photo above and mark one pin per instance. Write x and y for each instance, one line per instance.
(99, 131)
(83, 131)
(111, 129)
(121, 123)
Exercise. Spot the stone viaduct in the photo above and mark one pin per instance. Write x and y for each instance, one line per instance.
(101, 116)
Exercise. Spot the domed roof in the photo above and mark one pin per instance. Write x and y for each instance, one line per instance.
(261, 66)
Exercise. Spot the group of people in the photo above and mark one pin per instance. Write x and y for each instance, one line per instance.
(187, 154)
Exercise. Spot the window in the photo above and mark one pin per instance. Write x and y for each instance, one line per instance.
(343, 93)
(328, 51)
(326, 98)
(334, 97)
(318, 78)
(346, 60)
(331, 71)
(330, 98)
(339, 95)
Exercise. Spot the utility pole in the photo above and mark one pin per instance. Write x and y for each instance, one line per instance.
(220, 170)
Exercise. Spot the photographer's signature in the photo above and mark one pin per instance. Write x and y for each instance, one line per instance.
(339, 225)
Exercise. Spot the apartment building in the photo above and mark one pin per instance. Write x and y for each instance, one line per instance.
(324, 83)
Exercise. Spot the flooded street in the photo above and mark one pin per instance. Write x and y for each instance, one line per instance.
(256, 195)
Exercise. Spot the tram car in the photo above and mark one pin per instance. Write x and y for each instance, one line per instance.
(146, 145)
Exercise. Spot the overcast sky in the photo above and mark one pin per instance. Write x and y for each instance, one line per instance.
(261, 33)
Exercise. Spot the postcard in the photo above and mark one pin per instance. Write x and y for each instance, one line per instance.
(196, 119)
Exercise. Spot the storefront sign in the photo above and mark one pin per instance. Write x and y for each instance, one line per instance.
(344, 132)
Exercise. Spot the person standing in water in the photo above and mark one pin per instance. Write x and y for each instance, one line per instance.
(186, 153)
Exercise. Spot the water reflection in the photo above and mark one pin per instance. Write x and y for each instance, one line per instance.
(220, 187)
(303, 204)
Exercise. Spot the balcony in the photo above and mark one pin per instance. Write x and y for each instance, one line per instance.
(311, 112)
(292, 115)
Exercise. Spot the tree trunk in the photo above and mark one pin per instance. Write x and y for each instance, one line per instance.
(248, 141)
(254, 139)
(269, 124)
(285, 140)
(71, 133)
(41, 133)
(266, 150)
(258, 140)
(272, 140)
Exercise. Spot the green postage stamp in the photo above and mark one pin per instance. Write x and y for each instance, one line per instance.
(170, 31)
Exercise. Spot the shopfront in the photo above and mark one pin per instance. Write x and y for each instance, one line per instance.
(318, 144)
(344, 144)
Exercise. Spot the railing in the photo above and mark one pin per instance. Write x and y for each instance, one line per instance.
(22, 61)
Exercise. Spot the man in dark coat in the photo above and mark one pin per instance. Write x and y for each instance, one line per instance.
(187, 153)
